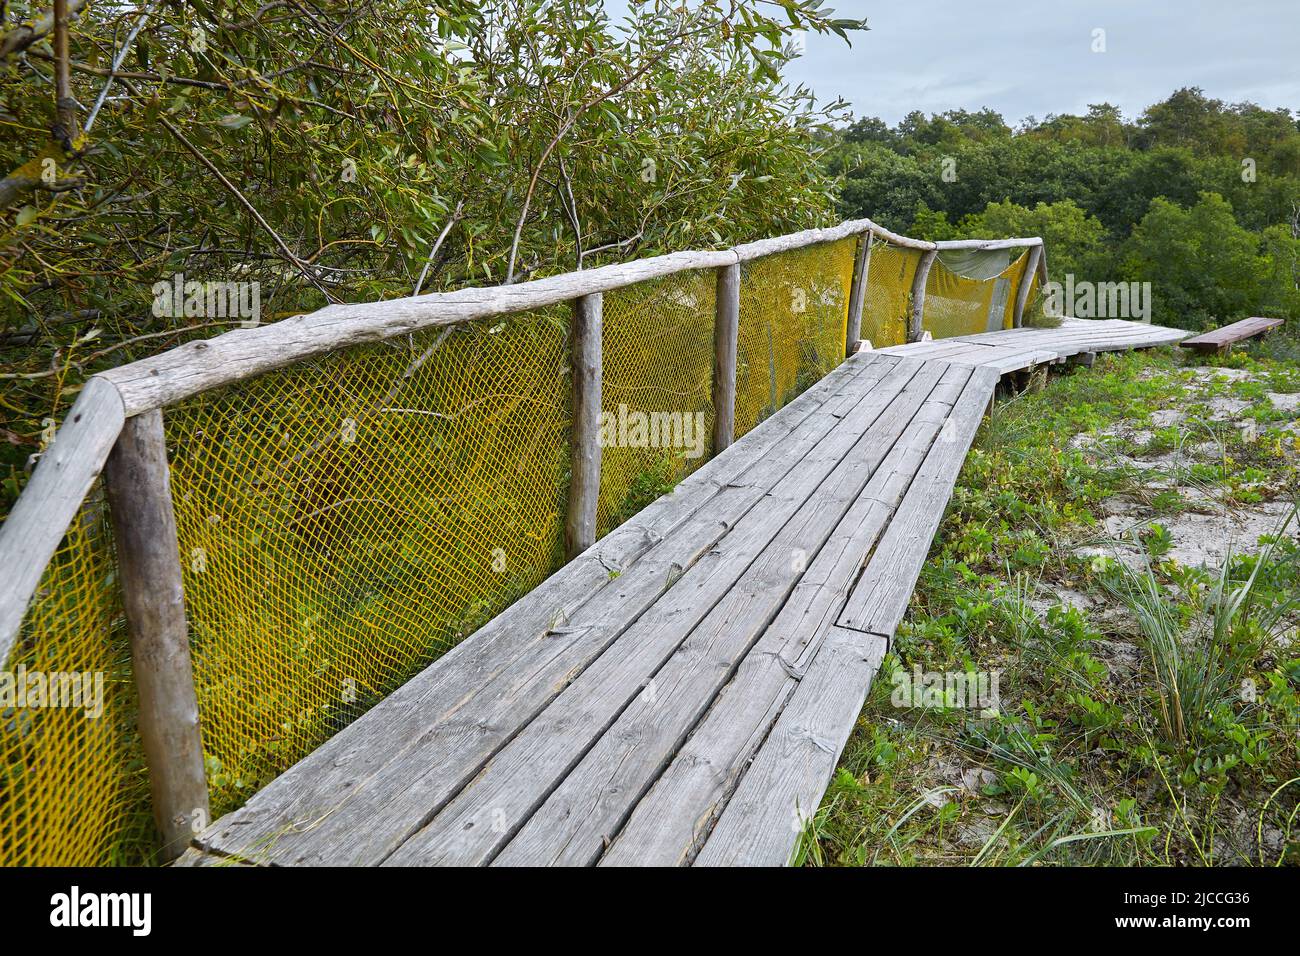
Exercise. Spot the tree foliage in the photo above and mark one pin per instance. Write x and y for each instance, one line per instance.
(1114, 199)
(352, 150)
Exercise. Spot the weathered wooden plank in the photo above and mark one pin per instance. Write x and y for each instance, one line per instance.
(584, 446)
(355, 805)
(781, 790)
(240, 354)
(879, 599)
(670, 822)
(148, 561)
(473, 827)
(1222, 338)
(799, 240)
(587, 809)
(726, 328)
(988, 244)
(39, 519)
(193, 857)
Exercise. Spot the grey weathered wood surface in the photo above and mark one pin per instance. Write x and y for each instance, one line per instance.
(675, 693)
(858, 294)
(479, 822)
(916, 317)
(1013, 349)
(584, 444)
(783, 786)
(586, 810)
(1026, 283)
(148, 561)
(1220, 339)
(39, 520)
(989, 244)
(726, 330)
(879, 598)
(703, 772)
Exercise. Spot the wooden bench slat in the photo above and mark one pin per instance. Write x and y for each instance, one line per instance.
(474, 826)
(784, 785)
(671, 822)
(1221, 338)
(585, 812)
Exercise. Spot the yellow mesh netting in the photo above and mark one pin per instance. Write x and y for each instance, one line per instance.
(344, 521)
(656, 390)
(793, 314)
(74, 791)
(887, 305)
(956, 305)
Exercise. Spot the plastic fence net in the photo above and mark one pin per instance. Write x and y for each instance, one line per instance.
(793, 314)
(888, 302)
(656, 390)
(957, 305)
(345, 521)
(74, 790)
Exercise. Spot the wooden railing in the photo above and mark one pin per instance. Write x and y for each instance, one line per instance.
(116, 426)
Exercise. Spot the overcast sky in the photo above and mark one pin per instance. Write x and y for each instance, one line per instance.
(1035, 58)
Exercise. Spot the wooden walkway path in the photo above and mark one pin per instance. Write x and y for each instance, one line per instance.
(681, 692)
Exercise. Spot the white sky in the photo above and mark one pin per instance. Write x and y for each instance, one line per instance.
(1035, 57)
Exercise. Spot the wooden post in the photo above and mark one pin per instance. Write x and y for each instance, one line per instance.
(726, 330)
(918, 295)
(148, 557)
(1026, 280)
(858, 294)
(584, 481)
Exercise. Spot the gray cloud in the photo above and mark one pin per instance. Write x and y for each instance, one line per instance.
(1034, 59)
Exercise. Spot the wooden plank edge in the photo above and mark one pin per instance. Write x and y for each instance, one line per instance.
(36, 525)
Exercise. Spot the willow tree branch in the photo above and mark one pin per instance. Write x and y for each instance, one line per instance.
(564, 131)
(243, 200)
(65, 107)
(455, 218)
(20, 38)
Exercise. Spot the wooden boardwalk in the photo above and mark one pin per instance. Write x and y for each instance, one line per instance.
(681, 692)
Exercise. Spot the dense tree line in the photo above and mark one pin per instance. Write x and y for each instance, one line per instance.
(1197, 197)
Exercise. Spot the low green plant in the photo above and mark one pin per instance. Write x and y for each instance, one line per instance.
(1200, 650)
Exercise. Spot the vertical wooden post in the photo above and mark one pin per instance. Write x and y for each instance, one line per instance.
(148, 557)
(918, 294)
(1026, 280)
(726, 330)
(584, 481)
(858, 294)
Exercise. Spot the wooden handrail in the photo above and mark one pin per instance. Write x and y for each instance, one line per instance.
(40, 518)
(119, 412)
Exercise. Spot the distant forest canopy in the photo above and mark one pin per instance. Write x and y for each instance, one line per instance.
(1198, 197)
